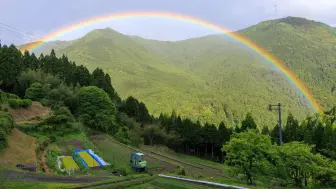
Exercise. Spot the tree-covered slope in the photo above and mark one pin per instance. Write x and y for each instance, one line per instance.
(305, 46)
(213, 78)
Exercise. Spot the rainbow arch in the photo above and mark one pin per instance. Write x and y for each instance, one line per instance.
(114, 16)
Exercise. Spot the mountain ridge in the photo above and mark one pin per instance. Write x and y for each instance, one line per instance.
(211, 77)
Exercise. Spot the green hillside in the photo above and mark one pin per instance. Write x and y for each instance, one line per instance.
(305, 46)
(213, 78)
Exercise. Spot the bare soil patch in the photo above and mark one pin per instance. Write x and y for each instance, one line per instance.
(24, 114)
(21, 149)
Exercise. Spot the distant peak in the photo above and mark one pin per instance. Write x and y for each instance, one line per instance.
(299, 22)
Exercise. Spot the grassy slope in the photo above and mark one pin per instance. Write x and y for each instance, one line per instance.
(21, 149)
(213, 78)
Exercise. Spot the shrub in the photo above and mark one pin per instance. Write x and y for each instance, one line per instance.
(25, 103)
(52, 158)
(3, 139)
(18, 103)
(45, 102)
(36, 92)
(14, 103)
(12, 96)
(6, 122)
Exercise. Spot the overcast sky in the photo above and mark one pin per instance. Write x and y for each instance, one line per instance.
(26, 20)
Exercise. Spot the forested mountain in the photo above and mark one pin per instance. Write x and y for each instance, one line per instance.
(213, 78)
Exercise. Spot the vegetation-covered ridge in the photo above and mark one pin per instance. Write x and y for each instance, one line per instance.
(213, 78)
(86, 103)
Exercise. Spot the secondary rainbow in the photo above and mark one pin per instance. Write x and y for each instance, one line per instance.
(284, 70)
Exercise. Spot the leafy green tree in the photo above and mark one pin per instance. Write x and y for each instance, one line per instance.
(64, 96)
(154, 134)
(11, 66)
(275, 134)
(298, 163)
(248, 123)
(81, 76)
(292, 130)
(59, 123)
(96, 109)
(123, 135)
(36, 92)
(265, 130)
(249, 151)
(224, 133)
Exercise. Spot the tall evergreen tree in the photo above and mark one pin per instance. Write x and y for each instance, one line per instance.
(248, 123)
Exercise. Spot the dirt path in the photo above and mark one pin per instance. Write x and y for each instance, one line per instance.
(45, 167)
(22, 176)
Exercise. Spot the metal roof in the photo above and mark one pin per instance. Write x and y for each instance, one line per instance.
(139, 154)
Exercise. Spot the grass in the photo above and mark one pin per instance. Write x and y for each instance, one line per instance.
(69, 163)
(37, 185)
(169, 184)
(119, 156)
(127, 183)
(88, 159)
(21, 149)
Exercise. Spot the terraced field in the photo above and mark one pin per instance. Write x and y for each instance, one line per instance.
(118, 155)
(90, 162)
(69, 163)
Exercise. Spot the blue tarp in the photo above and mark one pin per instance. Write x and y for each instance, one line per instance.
(97, 158)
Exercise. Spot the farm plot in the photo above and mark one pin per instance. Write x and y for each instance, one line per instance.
(90, 162)
(118, 155)
(69, 163)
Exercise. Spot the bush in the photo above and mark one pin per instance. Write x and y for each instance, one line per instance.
(3, 139)
(6, 122)
(18, 103)
(14, 103)
(52, 158)
(122, 135)
(25, 103)
(12, 96)
(45, 102)
(36, 92)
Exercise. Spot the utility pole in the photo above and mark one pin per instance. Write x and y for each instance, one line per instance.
(278, 108)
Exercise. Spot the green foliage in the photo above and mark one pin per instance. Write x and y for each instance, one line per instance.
(51, 158)
(36, 92)
(10, 64)
(6, 122)
(249, 151)
(298, 163)
(248, 123)
(18, 103)
(6, 126)
(60, 123)
(96, 109)
(3, 139)
(14, 103)
(154, 135)
(135, 109)
(62, 95)
(123, 135)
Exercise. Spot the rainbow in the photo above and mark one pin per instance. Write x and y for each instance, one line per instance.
(284, 70)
